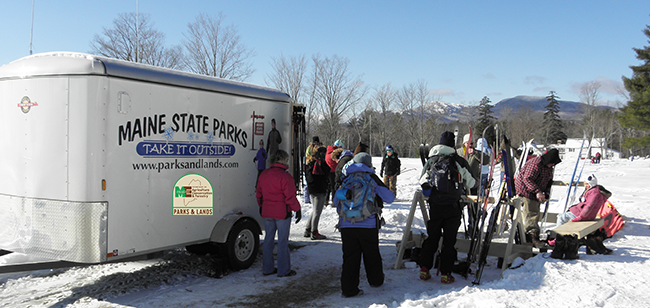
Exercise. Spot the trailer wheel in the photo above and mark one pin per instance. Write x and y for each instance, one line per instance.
(243, 244)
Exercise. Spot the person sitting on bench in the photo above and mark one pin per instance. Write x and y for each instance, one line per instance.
(591, 200)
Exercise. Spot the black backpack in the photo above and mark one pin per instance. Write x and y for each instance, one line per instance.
(442, 176)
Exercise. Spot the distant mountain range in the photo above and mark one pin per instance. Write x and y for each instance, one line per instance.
(452, 112)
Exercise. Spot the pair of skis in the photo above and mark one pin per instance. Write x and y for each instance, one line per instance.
(494, 220)
(480, 214)
(575, 168)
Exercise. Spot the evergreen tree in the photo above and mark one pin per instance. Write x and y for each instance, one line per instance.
(636, 114)
(552, 123)
(485, 119)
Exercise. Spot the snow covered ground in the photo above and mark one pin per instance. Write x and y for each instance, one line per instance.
(181, 280)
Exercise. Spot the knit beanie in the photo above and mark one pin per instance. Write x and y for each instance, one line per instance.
(448, 139)
(363, 158)
(552, 156)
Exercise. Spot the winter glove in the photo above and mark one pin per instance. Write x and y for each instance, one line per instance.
(576, 219)
(298, 216)
(255, 159)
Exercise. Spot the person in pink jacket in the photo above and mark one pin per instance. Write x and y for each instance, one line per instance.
(276, 196)
(590, 202)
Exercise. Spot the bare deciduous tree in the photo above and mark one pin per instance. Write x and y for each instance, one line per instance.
(334, 91)
(217, 50)
(589, 94)
(145, 46)
(410, 108)
(383, 99)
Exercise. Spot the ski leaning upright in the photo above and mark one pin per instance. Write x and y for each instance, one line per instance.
(566, 202)
(489, 233)
(481, 215)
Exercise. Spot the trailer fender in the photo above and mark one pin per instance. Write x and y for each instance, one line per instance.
(224, 225)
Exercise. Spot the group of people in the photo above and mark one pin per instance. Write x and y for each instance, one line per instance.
(328, 167)
(325, 172)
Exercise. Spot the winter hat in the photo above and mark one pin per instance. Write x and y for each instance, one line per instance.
(363, 158)
(338, 143)
(346, 153)
(448, 139)
(315, 139)
(389, 148)
(591, 180)
(466, 138)
(482, 145)
(552, 156)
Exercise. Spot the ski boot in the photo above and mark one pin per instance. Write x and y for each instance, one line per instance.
(424, 274)
(447, 278)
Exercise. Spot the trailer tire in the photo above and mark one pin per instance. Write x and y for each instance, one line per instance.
(243, 244)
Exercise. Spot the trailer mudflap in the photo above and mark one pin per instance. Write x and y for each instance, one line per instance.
(54, 229)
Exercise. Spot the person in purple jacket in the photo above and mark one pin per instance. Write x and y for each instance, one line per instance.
(276, 196)
(361, 238)
(260, 158)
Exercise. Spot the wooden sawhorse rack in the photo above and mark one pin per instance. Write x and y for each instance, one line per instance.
(509, 252)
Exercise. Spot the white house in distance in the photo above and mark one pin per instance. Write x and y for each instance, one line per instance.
(572, 147)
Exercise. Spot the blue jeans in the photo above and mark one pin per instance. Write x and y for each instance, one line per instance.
(564, 218)
(484, 182)
(282, 226)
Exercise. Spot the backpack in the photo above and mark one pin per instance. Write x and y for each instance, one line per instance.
(441, 176)
(356, 196)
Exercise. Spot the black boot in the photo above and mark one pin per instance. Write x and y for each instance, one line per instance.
(601, 235)
(558, 250)
(600, 247)
(591, 245)
(572, 246)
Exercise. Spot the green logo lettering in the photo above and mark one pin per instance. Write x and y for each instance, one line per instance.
(179, 191)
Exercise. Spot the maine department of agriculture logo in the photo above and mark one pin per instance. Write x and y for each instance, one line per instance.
(26, 104)
(193, 196)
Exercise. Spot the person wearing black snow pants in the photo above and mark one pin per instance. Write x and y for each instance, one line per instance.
(445, 221)
(358, 243)
(444, 209)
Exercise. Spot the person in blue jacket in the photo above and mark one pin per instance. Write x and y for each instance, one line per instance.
(361, 238)
(260, 159)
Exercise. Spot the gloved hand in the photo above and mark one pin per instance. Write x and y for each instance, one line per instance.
(298, 216)
(576, 219)
(255, 159)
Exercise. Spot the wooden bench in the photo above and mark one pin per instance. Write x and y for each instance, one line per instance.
(578, 228)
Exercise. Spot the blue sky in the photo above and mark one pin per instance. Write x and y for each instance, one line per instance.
(464, 50)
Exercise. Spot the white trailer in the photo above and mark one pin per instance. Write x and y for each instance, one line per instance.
(104, 159)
